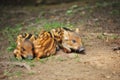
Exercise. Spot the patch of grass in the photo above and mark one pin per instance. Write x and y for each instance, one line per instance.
(10, 34)
(50, 25)
(15, 73)
(82, 10)
(105, 36)
(71, 10)
(32, 30)
(115, 12)
(31, 73)
(37, 20)
(30, 62)
(105, 4)
(44, 60)
(13, 59)
(77, 58)
(52, 57)
(101, 36)
(61, 59)
(6, 73)
(114, 36)
(11, 47)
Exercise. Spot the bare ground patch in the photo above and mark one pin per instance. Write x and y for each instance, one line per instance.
(96, 24)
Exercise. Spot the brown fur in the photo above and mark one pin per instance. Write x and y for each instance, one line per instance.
(68, 40)
(24, 46)
(45, 45)
(47, 42)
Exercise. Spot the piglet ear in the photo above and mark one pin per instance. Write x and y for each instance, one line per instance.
(77, 30)
(66, 35)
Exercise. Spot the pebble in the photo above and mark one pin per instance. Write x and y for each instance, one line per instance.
(108, 77)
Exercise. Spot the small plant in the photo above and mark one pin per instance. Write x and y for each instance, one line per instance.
(71, 9)
(6, 73)
(114, 36)
(61, 59)
(10, 35)
(37, 20)
(13, 59)
(31, 73)
(51, 57)
(52, 25)
(104, 4)
(43, 60)
(30, 62)
(105, 36)
(11, 47)
(16, 73)
(101, 36)
(49, 26)
(33, 30)
(115, 12)
(77, 58)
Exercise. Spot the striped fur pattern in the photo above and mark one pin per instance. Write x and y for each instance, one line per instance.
(25, 46)
(68, 40)
(44, 45)
(57, 34)
(29, 46)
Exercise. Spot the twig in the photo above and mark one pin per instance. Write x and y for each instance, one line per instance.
(17, 64)
(116, 48)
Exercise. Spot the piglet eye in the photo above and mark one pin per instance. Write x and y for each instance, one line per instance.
(23, 49)
(32, 49)
(74, 41)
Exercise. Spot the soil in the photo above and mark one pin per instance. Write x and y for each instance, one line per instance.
(97, 24)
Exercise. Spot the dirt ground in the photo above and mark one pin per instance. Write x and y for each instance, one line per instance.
(98, 24)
